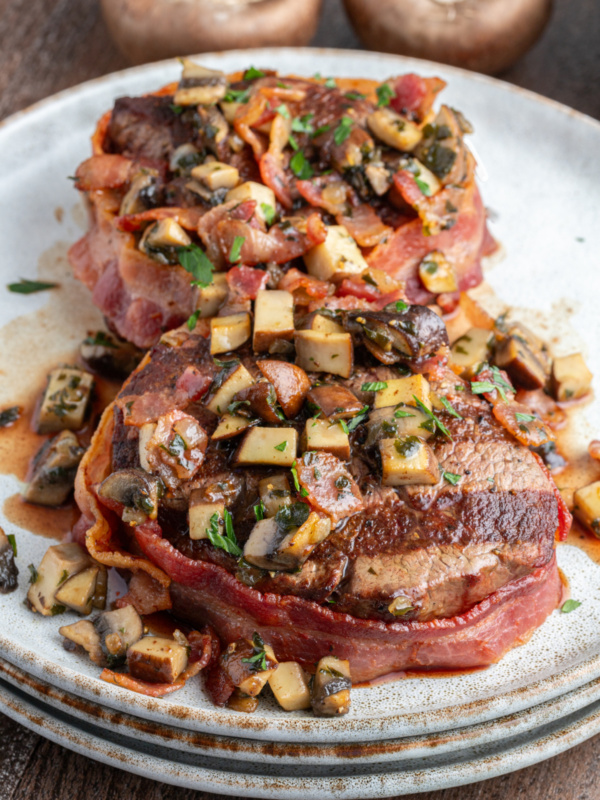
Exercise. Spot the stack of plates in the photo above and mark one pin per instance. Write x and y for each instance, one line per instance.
(410, 735)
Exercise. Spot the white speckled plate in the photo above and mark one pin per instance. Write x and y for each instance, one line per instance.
(542, 179)
(299, 780)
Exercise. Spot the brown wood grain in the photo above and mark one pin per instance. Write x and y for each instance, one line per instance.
(49, 45)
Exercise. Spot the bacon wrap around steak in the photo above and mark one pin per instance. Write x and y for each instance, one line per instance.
(475, 560)
(141, 298)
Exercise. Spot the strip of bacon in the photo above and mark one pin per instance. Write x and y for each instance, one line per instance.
(106, 171)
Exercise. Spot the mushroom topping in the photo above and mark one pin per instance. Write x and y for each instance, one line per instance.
(403, 421)
(289, 685)
(133, 493)
(83, 635)
(109, 356)
(437, 274)
(285, 541)
(472, 350)
(141, 194)
(331, 687)
(274, 493)
(8, 568)
(65, 401)
(162, 241)
(249, 664)
(273, 319)
(571, 378)
(60, 562)
(334, 401)
(257, 400)
(327, 436)
(271, 446)
(587, 507)
(408, 461)
(229, 332)
(325, 352)
(199, 85)
(53, 470)
(157, 659)
(78, 591)
(338, 257)
(118, 631)
(290, 382)
(523, 355)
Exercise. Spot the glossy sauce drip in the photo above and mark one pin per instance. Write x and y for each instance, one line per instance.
(52, 523)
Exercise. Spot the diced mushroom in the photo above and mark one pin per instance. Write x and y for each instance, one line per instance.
(140, 194)
(162, 240)
(229, 333)
(275, 447)
(571, 378)
(289, 684)
(274, 493)
(526, 364)
(157, 659)
(262, 196)
(8, 568)
(408, 461)
(290, 382)
(109, 356)
(249, 664)
(83, 635)
(213, 125)
(231, 383)
(134, 492)
(145, 434)
(437, 274)
(203, 516)
(230, 425)
(59, 563)
(242, 702)
(426, 180)
(385, 423)
(336, 258)
(65, 401)
(334, 401)
(379, 177)
(118, 630)
(53, 470)
(199, 85)
(325, 352)
(328, 436)
(394, 130)
(587, 506)
(331, 687)
(77, 592)
(273, 319)
(216, 175)
(285, 541)
(325, 325)
(404, 390)
(442, 149)
(471, 350)
(258, 400)
(210, 298)
(184, 158)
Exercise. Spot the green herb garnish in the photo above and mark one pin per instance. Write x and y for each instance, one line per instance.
(451, 477)
(373, 386)
(228, 542)
(300, 166)
(439, 425)
(25, 286)
(294, 472)
(268, 212)
(303, 124)
(33, 574)
(524, 417)
(9, 415)
(343, 130)
(258, 660)
(401, 306)
(330, 83)
(282, 110)
(385, 94)
(193, 319)
(281, 447)
(235, 254)
(252, 74)
(570, 605)
(259, 510)
(195, 261)
(100, 339)
(452, 411)
(360, 417)
(12, 542)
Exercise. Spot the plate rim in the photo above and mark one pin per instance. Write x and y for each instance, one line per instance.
(118, 702)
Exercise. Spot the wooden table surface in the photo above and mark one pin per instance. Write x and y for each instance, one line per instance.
(48, 45)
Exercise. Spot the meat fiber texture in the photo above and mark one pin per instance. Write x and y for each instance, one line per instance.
(141, 297)
(476, 560)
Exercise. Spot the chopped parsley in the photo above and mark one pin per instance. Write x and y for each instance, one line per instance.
(399, 413)
(496, 384)
(100, 339)
(330, 83)
(426, 190)
(401, 306)
(259, 510)
(385, 94)
(33, 574)
(292, 516)
(195, 261)
(360, 417)
(452, 411)
(268, 212)
(300, 166)
(524, 417)
(439, 425)
(294, 472)
(237, 96)
(13, 542)
(252, 74)
(373, 386)
(235, 254)
(228, 542)
(282, 110)
(9, 415)
(281, 447)
(355, 95)
(193, 319)
(320, 130)
(451, 477)
(303, 124)
(570, 605)
(344, 425)
(258, 659)
(25, 286)
(343, 130)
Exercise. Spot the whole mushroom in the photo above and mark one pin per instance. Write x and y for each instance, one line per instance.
(482, 35)
(148, 30)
